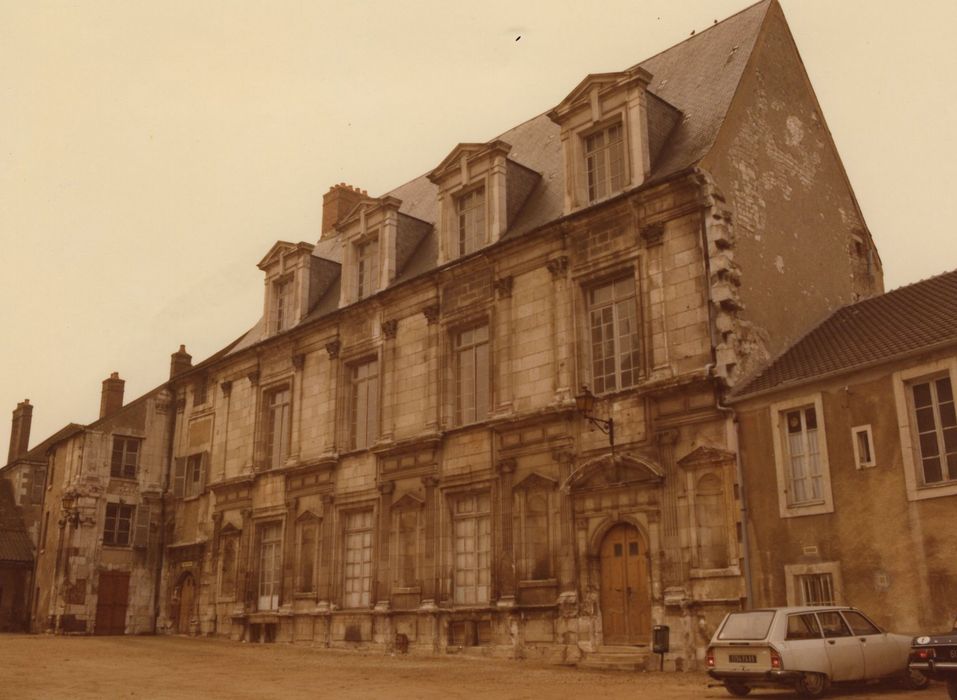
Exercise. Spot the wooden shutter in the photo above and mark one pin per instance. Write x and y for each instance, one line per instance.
(179, 478)
(203, 469)
(141, 530)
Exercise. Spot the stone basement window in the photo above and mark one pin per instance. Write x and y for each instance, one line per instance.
(125, 458)
(813, 584)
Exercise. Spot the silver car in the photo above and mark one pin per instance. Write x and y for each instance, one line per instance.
(806, 648)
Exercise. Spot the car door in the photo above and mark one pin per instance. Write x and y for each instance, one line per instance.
(805, 645)
(881, 656)
(842, 648)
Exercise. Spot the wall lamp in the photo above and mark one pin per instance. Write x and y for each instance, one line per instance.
(585, 403)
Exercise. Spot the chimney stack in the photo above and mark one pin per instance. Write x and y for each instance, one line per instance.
(337, 202)
(179, 362)
(20, 432)
(111, 400)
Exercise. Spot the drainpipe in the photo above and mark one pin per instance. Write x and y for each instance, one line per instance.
(732, 426)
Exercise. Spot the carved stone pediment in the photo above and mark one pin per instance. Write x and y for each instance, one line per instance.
(610, 471)
(535, 481)
(701, 456)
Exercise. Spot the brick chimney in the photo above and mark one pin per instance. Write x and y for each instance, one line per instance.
(20, 431)
(111, 399)
(336, 203)
(179, 362)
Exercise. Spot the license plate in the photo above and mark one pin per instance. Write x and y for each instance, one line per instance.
(743, 658)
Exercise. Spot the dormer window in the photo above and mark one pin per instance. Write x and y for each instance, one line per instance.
(290, 290)
(471, 219)
(282, 303)
(367, 267)
(605, 161)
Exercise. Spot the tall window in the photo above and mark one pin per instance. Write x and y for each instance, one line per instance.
(270, 571)
(803, 457)
(613, 321)
(367, 268)
(406, 547)
(119, 523)
(605, 162)
(282, 304)
(471, 375)
(364, 404)
(125, 458)
(470, 208)
(357, 574)
(308, 551)
(711, 523)
(472, 543)
(229, 550)
(276, 426)
(936, 425)
(536, 551)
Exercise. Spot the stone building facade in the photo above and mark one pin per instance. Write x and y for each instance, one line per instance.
(392, 457)
(852, 431)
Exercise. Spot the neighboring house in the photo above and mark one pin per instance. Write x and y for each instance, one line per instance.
(393, 454)
(16, 564)
(100, 545)
(849, 452)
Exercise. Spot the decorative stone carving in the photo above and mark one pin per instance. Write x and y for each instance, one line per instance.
(505, 466)
(652, 234)
(253, 377)
(390, 328)
(386, 487)
(226, 387)
(299, 361)
(431, 313)
(333, 347)
(558, 267)
(503, 286)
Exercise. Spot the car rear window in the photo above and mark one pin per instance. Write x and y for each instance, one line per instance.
(747, 625)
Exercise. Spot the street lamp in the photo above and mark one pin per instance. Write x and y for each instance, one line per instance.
(585, 403)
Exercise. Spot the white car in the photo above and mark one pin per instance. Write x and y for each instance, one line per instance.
(806, 648)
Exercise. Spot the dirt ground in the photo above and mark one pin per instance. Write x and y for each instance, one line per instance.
(178, 667)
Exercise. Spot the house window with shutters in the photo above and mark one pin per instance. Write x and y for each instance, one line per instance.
(125, 458)
(472, 549)
(614, 335)
(357, 562)
(270, 566)
(363, 404)
(118, 527)
(276, 426)
(189, 479)
(307, 545)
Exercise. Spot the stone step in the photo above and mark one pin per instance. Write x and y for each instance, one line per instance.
(616, 658)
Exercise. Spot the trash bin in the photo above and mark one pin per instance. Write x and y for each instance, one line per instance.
(660, 639)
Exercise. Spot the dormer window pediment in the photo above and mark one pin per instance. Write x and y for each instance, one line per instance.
(479, 194)
(605, 137)
(368, 235)
(287, 267)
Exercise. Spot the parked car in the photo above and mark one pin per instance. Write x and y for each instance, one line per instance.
(935, 656)
(806, 648)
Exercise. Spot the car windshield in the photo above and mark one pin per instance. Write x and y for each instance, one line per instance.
(747, 625)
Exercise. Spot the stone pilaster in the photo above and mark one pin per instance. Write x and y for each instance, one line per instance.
(506, 554)
(674, 570)
(325, 550)
(383, 592)
(429, 568)
(289, 554)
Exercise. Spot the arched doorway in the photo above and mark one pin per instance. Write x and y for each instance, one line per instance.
(184, 612)
(625, 587)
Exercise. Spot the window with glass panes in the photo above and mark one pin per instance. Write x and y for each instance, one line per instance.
(470, 208)
(276, 426)
(804, 464)
(367, 275)
(270, 566)
(605, 161)
(936, 425)
(125, 458)
(613, 322)
(471, 375)
(472, 544)
(364, 404)
(357, 567)
(282, 304)
(118, 525)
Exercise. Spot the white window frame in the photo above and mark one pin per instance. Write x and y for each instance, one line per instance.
(782, 458)
(794, 572)
(471, 219)
(902, 381)
(269, 565)
(616, 305)
(367, 266)
(606, 169)
(468, 530)
(859, 460)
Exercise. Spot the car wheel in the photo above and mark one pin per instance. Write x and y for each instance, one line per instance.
(811, 685)
(952, 688)
(915, 680)
(737, 689)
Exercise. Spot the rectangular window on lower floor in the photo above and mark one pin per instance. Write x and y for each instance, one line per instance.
(472, 544)
(816, 589)
(118, 525)
(357, 565)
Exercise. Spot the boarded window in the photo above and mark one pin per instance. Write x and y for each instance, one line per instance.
(711, 525)
(532, 515)
(277, 423)
(406, 543)
(364, 400)
(228, 559)
(308, 555)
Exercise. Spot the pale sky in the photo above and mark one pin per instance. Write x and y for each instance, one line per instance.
(152, 152)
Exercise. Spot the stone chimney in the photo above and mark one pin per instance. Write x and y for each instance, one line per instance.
(336, 203)
(179, 362)
(20, 431)
(111, 399)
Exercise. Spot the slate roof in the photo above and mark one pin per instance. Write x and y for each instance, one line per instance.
(15, 545)
(906, 320)
(698, 77)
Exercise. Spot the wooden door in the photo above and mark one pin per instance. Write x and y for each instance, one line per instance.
(187, 591)
(625, 587)
(113, 593)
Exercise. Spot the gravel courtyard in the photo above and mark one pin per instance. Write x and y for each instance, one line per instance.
(178, 667)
